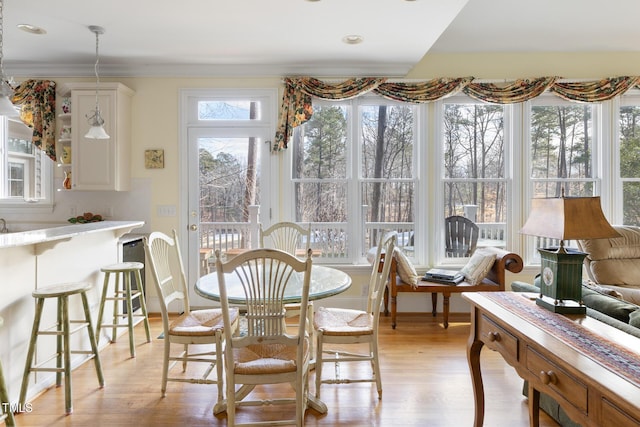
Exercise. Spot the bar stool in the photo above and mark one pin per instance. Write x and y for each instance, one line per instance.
(62, 330)
(124, 270)
(6, 414)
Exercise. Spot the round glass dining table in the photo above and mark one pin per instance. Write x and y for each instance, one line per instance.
(325, 282)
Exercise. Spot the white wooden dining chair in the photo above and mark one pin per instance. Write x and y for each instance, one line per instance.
(291, 238)
(286, 236)
(266, 353)
(342, 327)
(191, 326)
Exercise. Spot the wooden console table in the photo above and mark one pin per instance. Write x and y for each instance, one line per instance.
(590, 368)
(495, 281)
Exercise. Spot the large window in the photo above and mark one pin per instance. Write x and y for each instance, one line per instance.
(362, 166)
(474, 181)
(562, 155)
(354, 175)
(562, 141)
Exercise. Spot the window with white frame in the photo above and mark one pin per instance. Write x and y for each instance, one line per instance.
(474, 183)
(629, 158)
(26, 171)
(562, 153)
(354, 175)
(365, 165)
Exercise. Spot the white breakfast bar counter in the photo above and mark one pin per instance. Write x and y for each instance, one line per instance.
(34, 259)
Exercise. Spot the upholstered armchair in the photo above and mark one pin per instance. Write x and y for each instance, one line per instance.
(615, 263)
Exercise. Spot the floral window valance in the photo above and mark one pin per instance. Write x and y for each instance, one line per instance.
(37, 102)
(297, 108)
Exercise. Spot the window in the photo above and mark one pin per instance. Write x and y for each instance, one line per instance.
(474, 181)
(228, 164)
(225, 156)
(26, 172)
(561, 148)
(365, 165)
(629, 158)
(354, 176)
(561, 154)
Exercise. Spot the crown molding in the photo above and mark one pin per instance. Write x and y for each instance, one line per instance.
(41, 70)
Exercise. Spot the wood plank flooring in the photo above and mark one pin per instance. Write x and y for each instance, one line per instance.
(425, 378)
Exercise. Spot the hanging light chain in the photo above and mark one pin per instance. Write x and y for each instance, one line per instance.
(97, 31)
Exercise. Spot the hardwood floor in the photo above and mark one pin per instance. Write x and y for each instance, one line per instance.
(424, 372)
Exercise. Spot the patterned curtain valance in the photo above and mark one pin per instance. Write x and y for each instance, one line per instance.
(598, 91)
(296, 106)
(37, 102)
(422, 92)
(518, 91)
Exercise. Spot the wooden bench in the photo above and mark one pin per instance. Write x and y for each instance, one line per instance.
(495, 281)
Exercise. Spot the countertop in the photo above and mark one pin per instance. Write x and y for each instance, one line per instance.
(63, 232)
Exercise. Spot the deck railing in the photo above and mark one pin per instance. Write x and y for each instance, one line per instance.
(330, 240)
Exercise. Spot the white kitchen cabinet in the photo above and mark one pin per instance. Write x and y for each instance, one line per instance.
(100, 164)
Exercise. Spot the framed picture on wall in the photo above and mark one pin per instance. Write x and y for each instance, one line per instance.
(154, 159)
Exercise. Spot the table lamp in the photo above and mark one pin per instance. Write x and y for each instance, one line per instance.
(565, 218)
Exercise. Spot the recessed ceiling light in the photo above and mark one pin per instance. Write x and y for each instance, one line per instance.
(31, 29)
(352, 39)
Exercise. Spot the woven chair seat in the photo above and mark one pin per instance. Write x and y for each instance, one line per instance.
(200, 322)
(343, 322)
(266, 359)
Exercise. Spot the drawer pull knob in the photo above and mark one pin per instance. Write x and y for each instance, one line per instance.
(548, 377)
(493, 336)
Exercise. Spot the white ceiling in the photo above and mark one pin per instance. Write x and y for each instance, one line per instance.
(298, 37)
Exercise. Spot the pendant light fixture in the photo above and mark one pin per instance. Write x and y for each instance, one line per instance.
(6, 92)
(96, 131)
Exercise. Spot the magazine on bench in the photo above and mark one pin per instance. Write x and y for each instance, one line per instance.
(447, 277)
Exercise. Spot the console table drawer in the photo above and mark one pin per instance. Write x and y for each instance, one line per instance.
(498, 338)
(556, 379)
(612, 416)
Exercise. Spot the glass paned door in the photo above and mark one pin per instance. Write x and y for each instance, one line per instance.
(224, 169)
(227, 138)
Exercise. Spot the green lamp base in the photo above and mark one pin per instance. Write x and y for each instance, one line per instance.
(562, 306)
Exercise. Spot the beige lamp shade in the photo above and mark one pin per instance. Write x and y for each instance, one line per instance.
(568, 218)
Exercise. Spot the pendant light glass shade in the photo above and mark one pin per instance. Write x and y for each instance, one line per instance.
(6, 106)
(96, 131)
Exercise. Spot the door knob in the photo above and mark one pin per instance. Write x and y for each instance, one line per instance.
(193, 227)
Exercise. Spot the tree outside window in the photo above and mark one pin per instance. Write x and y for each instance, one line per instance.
(354, 175)
(629, 121)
